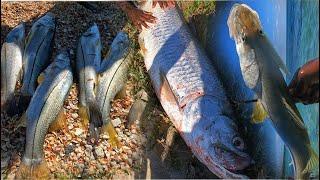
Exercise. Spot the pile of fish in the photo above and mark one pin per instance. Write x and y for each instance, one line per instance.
(45, 85)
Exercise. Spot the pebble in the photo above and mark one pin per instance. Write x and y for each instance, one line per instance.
(116, 122)
(78, 131)
(74, 115)
(99, 152)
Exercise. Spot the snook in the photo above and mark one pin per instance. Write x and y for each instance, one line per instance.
(191, 93)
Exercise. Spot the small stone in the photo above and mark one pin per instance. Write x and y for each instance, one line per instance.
(78, 131)
(74, 115)
(99, 152)
(116, 122)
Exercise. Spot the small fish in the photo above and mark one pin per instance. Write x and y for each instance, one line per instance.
(191, 93)
(38, 48)
(11, 65)
(88, 64)
(260, 66)
(112, 79)
(45, 108)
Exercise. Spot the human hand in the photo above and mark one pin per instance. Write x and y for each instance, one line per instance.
(163, 4)
(304, 86)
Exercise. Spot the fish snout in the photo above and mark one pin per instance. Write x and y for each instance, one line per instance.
(212, 136)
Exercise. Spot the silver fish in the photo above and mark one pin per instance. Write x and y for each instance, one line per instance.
(260, 66)
(190, 92)
(38, 48)
(88, 63)
(45, 107)
(112, 79)
(11, 64)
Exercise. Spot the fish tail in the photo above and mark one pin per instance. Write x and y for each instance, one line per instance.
(111, 131)
(39, 171)
(313, 162)
(16, 104)
(95, 119)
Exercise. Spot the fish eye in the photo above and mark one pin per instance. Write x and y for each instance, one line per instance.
(260, 32)
(238, 142)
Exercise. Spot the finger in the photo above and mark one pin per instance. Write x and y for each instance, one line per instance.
(294, 80)
(145, 25)
(154, 3)
(162, 4)
(148, 18)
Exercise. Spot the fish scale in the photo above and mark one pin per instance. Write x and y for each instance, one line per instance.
(191, 93)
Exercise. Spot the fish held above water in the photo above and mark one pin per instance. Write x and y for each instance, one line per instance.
(11, 65)
(260, 66)
(45, 108)
(191, 93)
(88, 64)
(38, 48)
(112, 79)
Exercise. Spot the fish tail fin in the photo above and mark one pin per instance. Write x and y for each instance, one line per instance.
(313, 162)
(17, 104)
(39, 171)
(95, 119)
(83, 113)
(111, 131)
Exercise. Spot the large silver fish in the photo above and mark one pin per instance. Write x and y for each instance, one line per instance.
(46, 107)
(88, 63)
(190, 92)
(11, 64)
(38, 48)
(260, 66)
(112, 79)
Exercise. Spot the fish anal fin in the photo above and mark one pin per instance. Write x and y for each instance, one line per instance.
(111, 131)
(313, 162)
(122, 93)
(259, 114)
(39, 171)
(60, 122)
(83, 113)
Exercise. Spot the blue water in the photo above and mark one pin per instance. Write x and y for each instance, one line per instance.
(303, 45)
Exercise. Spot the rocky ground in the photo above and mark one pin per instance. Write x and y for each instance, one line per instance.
(151, 148)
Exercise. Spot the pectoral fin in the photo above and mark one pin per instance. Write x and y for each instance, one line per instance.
(294, 114)
(313, 162)
(40, 78)
(121, 94)
(22, 122)
(259, 114)
(83, 113)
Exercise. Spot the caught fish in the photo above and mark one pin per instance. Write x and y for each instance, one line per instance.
(112, 79)
(260, 66)
(11, 65)
(191, 93)
(45, 108)
(88, 63)
(38, 48)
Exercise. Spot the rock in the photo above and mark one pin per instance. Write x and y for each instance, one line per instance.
(74, 115)
(5, 162)
(116, 122)
(78, 131)
(99, 152)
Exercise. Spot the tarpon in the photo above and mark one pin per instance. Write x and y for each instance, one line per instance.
(46, 107)
(88, 63)
(260, 66)
(38, 48)
(191, 93)
(11, 65)
(112, 79)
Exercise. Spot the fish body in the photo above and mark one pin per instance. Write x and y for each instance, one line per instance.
(260, 66)
(190, 92)
(45, 106)
(11, 64)
(113, 76)
(88, 64)
(38, 48)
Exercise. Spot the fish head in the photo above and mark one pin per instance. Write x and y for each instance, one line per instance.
(243, 23)
(47, 20)
(17, 34)
(215, 137)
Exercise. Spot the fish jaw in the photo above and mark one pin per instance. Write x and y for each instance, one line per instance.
(212, 137)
